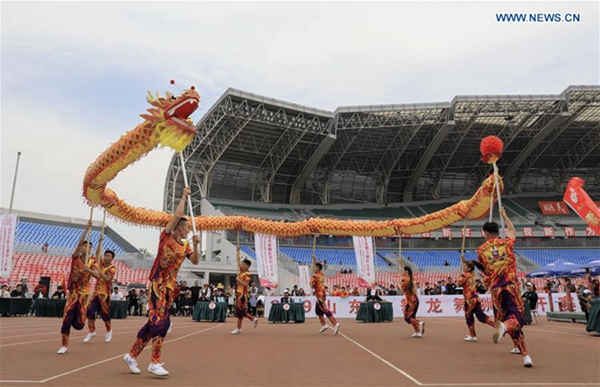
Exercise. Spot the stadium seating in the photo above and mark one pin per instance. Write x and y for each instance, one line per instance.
(58, 236)
(33, 266)
(545, 257)
(344, 258)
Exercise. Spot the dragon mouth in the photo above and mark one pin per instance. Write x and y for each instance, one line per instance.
(180, 113)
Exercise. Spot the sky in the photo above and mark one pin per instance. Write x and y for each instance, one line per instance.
(74, 75)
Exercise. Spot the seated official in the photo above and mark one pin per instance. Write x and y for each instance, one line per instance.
(373, 297)
(286, 299)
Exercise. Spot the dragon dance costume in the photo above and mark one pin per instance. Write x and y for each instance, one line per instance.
(100, 303)
(497, 256)
(472, 304)
(163, 280)
(77, 299)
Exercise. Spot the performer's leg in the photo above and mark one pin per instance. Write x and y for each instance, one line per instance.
(91, 314)
(105, 312)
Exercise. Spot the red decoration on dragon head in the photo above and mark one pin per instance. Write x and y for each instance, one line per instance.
(491, 149)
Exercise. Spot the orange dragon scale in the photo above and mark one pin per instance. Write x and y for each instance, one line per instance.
(166, 123)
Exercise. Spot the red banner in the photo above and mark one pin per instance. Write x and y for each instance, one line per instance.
(569, 231)
(405, 235)
(582, 204)
(590, 231)
(426, 235)
(447, 233)
(548, 231)
(553, 208)
(466, 232)
(527, 232)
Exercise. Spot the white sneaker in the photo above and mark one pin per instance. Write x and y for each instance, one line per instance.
(62, 350)
(527, 362)
(89, 337)
(500, 331)
(236, 331)
(132, 363)
(422, 327)
(336, 329)
(515, 351)
(323, 328)
(255, 322)
(470, 338)
(108, 337)
(170, 327)
(157, 369)
(417, 335)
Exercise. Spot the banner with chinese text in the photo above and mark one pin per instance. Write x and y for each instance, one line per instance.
(266, 258)
(305, 278)
(365, 260)
(554, 208)
(582, 204)
(8, 227)
(429, 306)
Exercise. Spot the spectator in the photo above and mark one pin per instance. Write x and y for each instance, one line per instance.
(195, 292)
(418, 289)
(295, 292)
(45, 248)
(134, 303)
(219, 295)
(531, 295)
(450, 286)
(230, 300)
(186, 306)
(252, 301)
(569, 288)
(344, 293)
(428, 289)
(349, 271)
(40, 290)
(4, 293)
(392, 291)
(355, 292)
(24, 289)
(301, 292)
(325, 264)
(206, 291)
(479, 286)
(144, 303)
(286, 299)
(372, 297)
(18, 292)
(183, 288)
(446, 263)
(116, 295)
(253, 289)
(586, 302)
(59, 294)
(269, 292)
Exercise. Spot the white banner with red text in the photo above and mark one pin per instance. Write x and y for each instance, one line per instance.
(266, 258)
(8, 227)
(429, 306)
(305, 273)
(365, 260)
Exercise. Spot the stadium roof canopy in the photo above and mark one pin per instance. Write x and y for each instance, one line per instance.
(254, 148)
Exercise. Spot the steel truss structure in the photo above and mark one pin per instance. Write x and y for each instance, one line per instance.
(254, 148)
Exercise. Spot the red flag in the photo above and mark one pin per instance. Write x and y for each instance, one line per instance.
(582, 204)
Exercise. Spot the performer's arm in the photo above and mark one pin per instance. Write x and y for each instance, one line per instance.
(195, 257)
(79, 248)
(512, 233)
(94, 273)
(178, 211)
(107, 276)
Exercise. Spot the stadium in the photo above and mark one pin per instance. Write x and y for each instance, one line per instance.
(265, 158)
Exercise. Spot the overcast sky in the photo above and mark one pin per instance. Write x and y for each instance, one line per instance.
(75, 75)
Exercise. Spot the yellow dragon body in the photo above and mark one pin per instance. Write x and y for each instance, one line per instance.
(167, 124)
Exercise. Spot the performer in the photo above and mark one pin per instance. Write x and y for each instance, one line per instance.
(318, 284)
(472, 304)
(241, 293)
(498, 258)
(79, 290)
(104, 272)
(172, 251)
(412, 303)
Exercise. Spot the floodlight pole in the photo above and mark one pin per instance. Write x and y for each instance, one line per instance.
(12, 195)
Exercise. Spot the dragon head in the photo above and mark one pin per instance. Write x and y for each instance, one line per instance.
(170, 117)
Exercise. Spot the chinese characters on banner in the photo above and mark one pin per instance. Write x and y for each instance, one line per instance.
(365, 260)
(554, 208)
(590, 232)
(569, 231)
(447, 233)
(266, 258)
(426, 235)
(8, 226)
(466, 232)
(430, 306)
(527, 232)
(548, 231)
(582, 204)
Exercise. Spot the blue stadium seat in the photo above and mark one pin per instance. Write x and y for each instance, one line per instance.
(545, 257)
